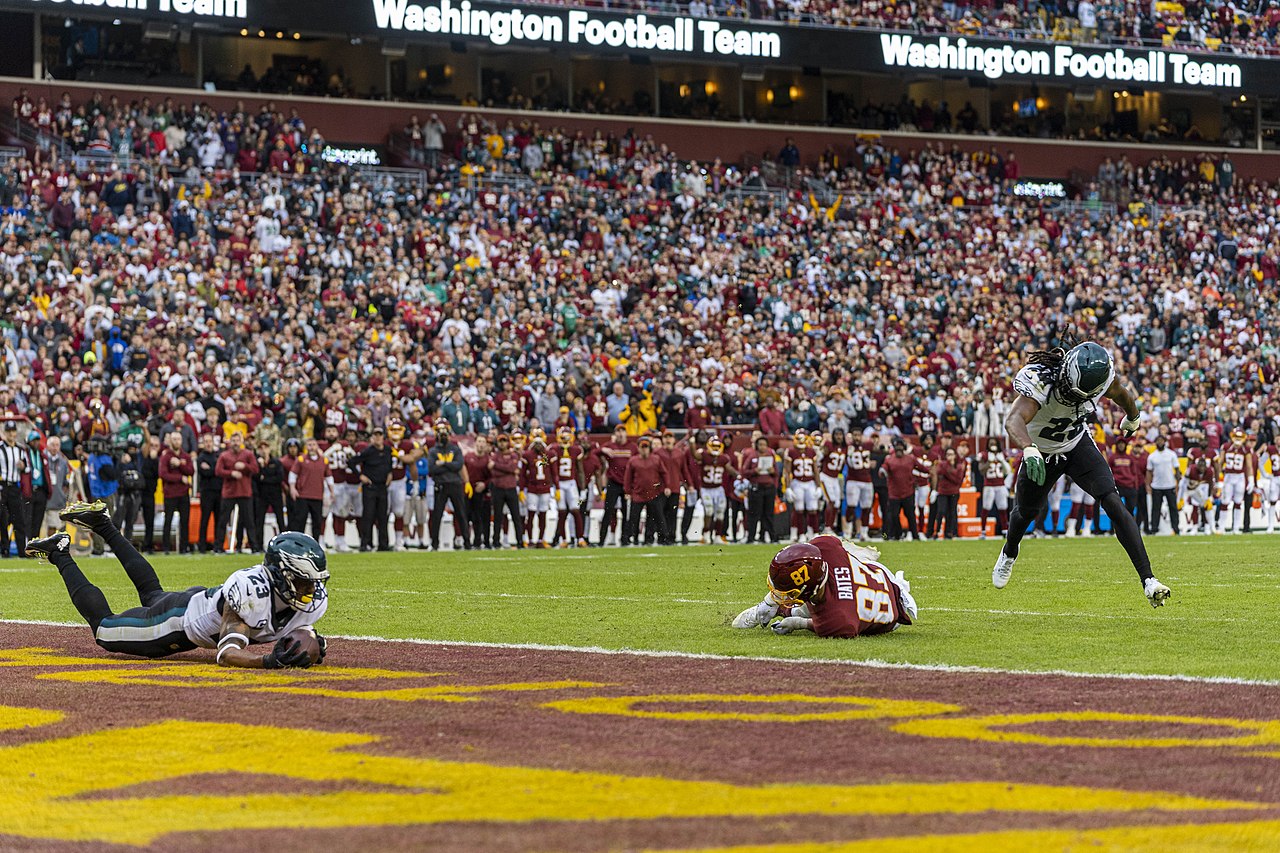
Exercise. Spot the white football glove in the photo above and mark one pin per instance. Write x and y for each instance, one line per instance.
(1129, 426)
(787, 624)
(757, 616)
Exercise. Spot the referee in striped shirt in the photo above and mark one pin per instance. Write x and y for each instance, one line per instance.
(13, 462)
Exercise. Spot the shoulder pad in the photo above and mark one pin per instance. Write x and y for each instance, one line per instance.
(1034, 381)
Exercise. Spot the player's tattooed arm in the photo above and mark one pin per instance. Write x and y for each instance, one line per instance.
(1015, 423)
(233, 643)
(1123, 397)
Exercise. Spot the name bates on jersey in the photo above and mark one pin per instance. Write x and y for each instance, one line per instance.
(247, 592)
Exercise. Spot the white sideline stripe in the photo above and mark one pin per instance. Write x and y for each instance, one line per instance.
(867, 664)
(541, 597)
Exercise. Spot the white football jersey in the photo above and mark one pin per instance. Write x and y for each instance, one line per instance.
(247, 592)
(1057, 427)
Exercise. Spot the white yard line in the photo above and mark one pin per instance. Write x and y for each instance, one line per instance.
(866, 664)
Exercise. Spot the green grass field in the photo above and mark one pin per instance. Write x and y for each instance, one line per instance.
(1072, 605)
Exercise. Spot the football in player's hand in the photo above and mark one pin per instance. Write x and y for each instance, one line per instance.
(310, 642)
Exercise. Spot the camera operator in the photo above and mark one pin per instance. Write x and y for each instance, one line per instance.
(101, 476)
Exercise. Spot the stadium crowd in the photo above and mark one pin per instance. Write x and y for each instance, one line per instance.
(202, 324)
(1246, 27)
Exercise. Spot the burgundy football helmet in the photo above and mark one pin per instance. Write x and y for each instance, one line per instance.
(797, 574)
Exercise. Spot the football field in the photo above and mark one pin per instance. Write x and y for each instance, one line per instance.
(1073, 605)
(598, 700)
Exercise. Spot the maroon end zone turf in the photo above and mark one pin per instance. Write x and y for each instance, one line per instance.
(564, 711)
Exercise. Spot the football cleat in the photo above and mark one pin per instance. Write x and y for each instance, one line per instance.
(45, 548)
(1004, 568)
(90, 516)
(1157, 593)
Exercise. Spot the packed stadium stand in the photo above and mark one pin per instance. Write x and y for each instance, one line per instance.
(178, 265)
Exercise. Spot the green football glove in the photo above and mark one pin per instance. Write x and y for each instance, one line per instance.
(1034, 463)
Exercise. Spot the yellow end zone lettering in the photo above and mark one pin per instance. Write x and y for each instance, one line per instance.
(435, 693)
(47, 788)
(992, 728)
(864, 708)
(1245, 837)
(27, 718)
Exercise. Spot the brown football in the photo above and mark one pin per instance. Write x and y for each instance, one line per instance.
(307, 637)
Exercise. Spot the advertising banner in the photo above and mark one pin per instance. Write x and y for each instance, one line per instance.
(595, 31)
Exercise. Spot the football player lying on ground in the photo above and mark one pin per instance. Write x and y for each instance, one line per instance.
(834, 588)
(263, 604)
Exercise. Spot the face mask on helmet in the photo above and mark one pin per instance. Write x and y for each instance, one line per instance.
(1087, 371)
(298, 569)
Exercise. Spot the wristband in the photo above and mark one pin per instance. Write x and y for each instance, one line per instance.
(222, 650)
(233, 637)
(1032, 450)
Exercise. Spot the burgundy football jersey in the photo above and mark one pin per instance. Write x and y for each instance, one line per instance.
(860, 598)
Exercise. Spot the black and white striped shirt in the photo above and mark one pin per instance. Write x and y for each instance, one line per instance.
(11, 463)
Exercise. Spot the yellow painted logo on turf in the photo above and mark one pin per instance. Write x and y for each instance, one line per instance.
(103, 787)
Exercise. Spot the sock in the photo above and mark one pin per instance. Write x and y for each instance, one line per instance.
(1127, 532)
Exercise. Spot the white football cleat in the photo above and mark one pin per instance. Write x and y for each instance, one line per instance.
(1157, 593)
(1004, 568)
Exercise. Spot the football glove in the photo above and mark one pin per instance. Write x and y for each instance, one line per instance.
(756, 617)
(467, 489)
(324, 647)
(1129, 426)
(286, 654)
(1034, 463)
(787, 624)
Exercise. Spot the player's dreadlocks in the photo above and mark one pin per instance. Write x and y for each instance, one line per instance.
(1054, 356)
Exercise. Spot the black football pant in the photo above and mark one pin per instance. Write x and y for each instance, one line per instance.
(244, 523)
(654, 526)
(451, 492)
(210, 510)
(760, 502)
(1087, 468)
(1167, 497)
(584, 507)
(271, 500)
(479, 515)
(945, 508)
(154, 629)
(374, 501)
(882, 498)
(308, 509)
(614, 501)
(12, 511)
(35, 511)
(508, 500)
(670, 509)
(1130, 498)
(181, 506)
(893, 518)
